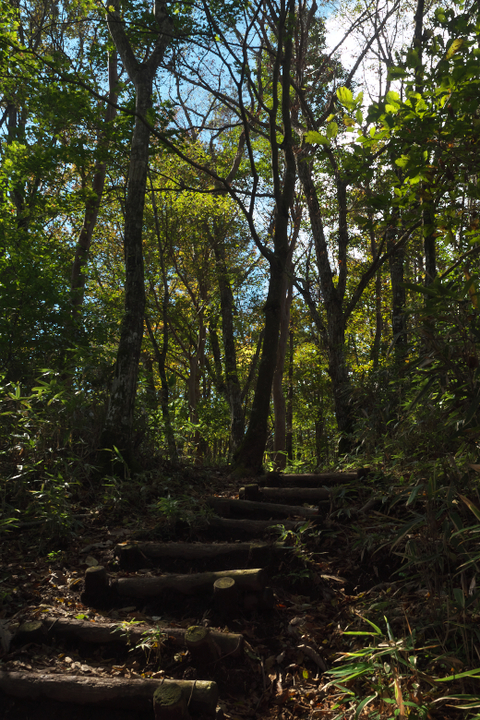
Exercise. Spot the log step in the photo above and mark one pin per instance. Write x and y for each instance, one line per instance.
(228, 555)
(254, 509)
(134, 694)
(251, 580)
(299, 494)
(231, 527)
(228, 644)
(310, 479)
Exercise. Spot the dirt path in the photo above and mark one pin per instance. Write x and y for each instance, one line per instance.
(239, 615)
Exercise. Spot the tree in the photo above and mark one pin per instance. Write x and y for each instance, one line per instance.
(118, 426)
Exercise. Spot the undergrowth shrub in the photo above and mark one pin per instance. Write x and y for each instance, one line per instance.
(47, 439)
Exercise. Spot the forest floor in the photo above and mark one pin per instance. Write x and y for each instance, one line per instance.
(345, 574)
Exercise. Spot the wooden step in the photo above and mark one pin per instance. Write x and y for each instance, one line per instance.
(135, 694)
(141, 555)
(299, 494)
(253, 509)
(99, 633)
(231, 527)
(252, 580)
(309, 479)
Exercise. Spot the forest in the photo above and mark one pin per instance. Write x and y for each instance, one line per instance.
(240, 238)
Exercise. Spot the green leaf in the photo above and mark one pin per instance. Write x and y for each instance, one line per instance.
(402, 161)
(393, 97)
(396, 73)
(471, 506)
(375, 627)
(459, 597)
(454, 47)
(413, 495)
(468, 673)
(332, 130)
(315, 138)
(345, 97)
(363, 704)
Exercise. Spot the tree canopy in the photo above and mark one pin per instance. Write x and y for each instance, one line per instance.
(213, 238)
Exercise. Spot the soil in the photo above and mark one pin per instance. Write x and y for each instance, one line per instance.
(332, 576)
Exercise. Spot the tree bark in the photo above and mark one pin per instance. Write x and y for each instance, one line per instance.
(220, 555)
(334, 333)
(118, 427)
(228, 507)
(279, 403)
(106, 633)
(93, 202)
(305, 480)
(249, 457)
(289, 417)
(144, 587)
(161, 355)
(248, 528)
(120, 693)
(232, 382)
(397, 260)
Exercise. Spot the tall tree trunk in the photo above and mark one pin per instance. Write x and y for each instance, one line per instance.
(118, 427)
(375, 350)
(334, 333)
(397, 260)
(232, 382)
(338, 371)
(119, 421)
(93, 202)
(161, 355)
(279, 404)
(429, 244)
(289, 418)
(428, 211)
(249, 456)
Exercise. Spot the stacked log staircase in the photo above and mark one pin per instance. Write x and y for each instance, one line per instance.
(232, 576)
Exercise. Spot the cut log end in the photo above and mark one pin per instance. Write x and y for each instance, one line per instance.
(169, 703)
(225, 596)
(201, 645)
(31, 632)
(250, 492)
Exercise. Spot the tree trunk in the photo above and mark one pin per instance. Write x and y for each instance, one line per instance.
(375, 349)
(398, 295)
(119, 421)
(334, 333)
(289, 418)
(429, 244)
(338, 371)
(164, 396)
(161, 355)
(279, 404)
(92, 204)
(249, 456)
(118, 427)
(233, 388)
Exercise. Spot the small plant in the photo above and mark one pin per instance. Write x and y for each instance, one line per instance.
(382, 675)
(296, 539)
(385, 677)
(151, 644)
(180, 507)
(55, 556)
